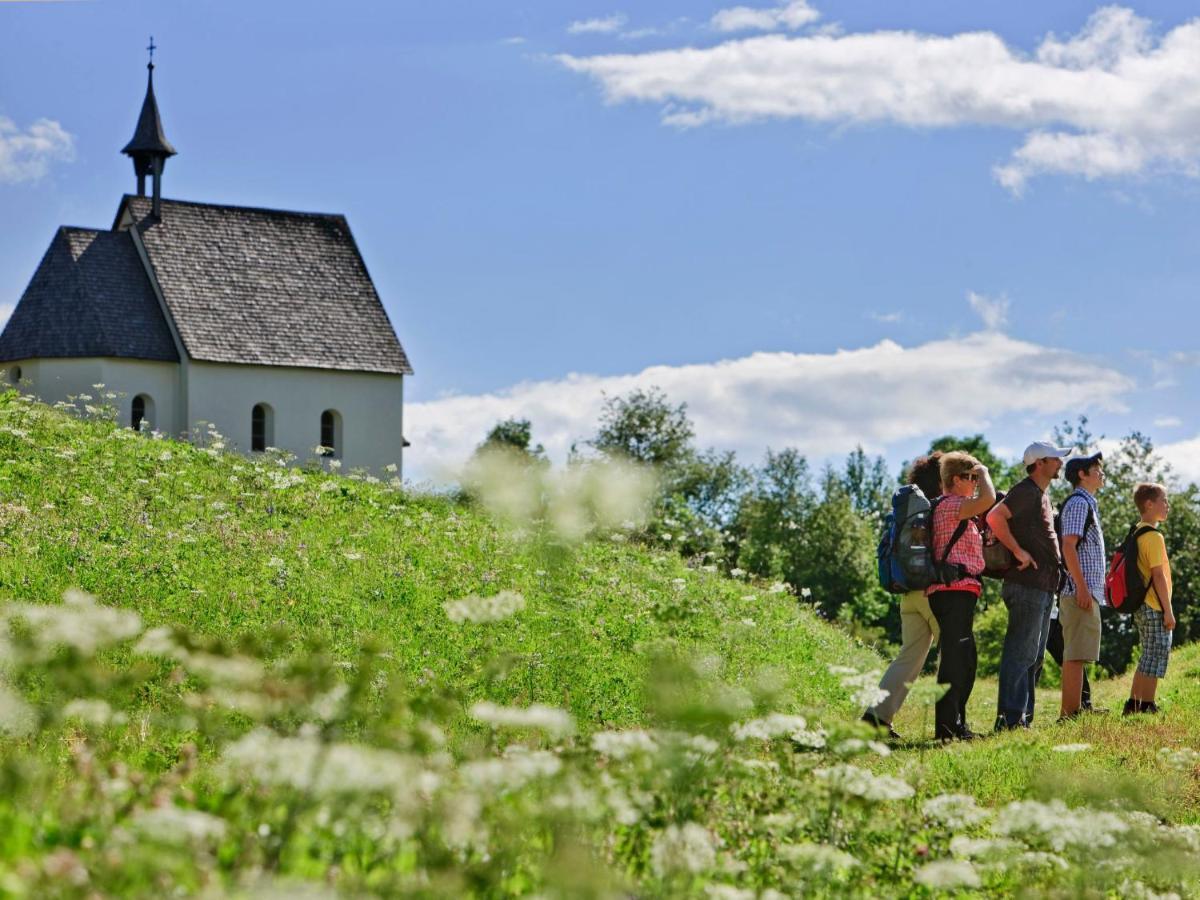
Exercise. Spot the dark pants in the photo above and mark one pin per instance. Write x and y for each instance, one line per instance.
(955, 614)
(1021, 658)
(1054, 644)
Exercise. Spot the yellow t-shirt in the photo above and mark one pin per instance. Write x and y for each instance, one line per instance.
(1152, 551)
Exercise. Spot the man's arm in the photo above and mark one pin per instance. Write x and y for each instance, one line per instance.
(997, 520)
(1083, 595)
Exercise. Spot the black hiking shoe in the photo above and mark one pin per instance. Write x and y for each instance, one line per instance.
(875, 722)
(1131, 707)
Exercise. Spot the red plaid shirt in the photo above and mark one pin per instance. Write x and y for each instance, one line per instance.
(968, 550)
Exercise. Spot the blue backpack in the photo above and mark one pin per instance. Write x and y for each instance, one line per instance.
(905, 553)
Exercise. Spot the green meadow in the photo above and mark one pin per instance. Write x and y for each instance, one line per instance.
(313, 683)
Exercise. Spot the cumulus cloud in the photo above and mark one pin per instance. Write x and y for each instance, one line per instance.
(1114, 99)
(992, 310)
(822, 404)
(1184, 457)
(27, 155)
(793, 15)
(605, 25)
(1168, 422)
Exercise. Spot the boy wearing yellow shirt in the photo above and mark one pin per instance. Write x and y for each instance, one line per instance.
(1156, 619)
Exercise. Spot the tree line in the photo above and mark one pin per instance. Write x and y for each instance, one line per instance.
(817, 530)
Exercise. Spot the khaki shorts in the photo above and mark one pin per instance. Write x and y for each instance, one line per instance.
(1081, 629)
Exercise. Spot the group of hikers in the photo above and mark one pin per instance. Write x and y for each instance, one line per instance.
(1045, 558)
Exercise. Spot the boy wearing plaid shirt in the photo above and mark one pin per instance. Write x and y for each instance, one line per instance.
(1083, 593)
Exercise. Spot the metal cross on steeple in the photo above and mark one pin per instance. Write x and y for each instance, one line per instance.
(152, 48)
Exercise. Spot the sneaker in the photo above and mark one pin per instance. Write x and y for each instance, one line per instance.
(968, 735)
(1149, 707)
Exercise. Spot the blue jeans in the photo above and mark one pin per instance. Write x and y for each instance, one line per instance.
(1024, 647)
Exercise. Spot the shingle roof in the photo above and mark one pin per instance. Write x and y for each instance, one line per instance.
(267, 287)
(89, 297)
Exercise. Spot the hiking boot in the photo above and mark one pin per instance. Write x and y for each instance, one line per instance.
(875, 722)
(1131, 706)
(968, 735)
(1069, 717)
(1149, 706)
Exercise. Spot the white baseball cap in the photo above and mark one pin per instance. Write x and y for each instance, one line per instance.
(1041, 450)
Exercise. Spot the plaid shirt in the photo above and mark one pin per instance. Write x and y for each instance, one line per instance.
(968, 550)
(1090, 546)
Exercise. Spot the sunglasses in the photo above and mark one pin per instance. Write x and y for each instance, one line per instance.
(969, 476)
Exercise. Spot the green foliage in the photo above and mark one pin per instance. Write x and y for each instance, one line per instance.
(514, 436)
(645, 427)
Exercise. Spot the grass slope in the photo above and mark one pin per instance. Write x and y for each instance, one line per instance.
(229, 546)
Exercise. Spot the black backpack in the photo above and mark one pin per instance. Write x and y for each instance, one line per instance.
(1088, 522)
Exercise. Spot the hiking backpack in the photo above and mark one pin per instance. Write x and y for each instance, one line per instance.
(905, 552)
(1088, 522)
(997, 559)
(1123, 584)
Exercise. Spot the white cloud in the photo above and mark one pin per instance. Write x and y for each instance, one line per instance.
(823, 404)
(1115, 99)
(793, 15)
(889, 318)
(992, 310)
(605, 25)
(1184, 457)
(1168, 422)
(27, 155)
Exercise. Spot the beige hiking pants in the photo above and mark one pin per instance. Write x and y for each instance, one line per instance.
(918, 631)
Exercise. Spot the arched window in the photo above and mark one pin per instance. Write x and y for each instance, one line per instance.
(262, 427)
(331, 433)
(141, 412)
(14, 375)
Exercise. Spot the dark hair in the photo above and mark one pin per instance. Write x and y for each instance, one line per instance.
(925, 473)
(1029, 468)
(1075, 473)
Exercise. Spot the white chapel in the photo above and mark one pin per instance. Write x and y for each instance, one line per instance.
(262, 322)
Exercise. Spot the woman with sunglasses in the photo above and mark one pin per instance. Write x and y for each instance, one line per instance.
(967, 491)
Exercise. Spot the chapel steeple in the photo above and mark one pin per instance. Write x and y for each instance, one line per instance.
(149, 147)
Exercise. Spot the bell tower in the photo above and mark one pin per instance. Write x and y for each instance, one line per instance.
(149, 147)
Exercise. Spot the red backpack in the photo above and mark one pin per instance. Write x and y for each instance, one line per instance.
(1123, 584)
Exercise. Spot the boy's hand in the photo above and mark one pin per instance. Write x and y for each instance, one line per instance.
(1083, 599)
(1168, 620)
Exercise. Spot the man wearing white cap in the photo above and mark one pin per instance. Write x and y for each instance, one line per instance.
(1024, 523)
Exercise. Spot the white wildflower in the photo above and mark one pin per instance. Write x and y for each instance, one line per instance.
(778, 588)
(729, 892)
(391, 468)
(485, 609)
(1183, 758)
(16, 716)
(947, 875)
(955, 811)
(623, 744)
(555, 722)
(686, 848)
(854, 746)
(856, 782)
(736, 573)
(275, 563)
(85, 500)
(91, 711)
(820, 859)
(353, 556)
(323, 770)
(175, 825)
(1059, 827)
(79, 623)
(1041, 859)
(961, 845)
(513, 770)
(1071, 748)
(217, 505)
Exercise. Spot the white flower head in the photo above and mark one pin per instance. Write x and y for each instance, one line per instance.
(555, 722)
(1072, 748)
(855, 782)
(175, 825)
(947, 875)
(485, 609)
(623, 744)
(820, 859)
(687, 848)
(955, 811)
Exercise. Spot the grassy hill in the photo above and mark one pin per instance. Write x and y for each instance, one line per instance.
(273, 697)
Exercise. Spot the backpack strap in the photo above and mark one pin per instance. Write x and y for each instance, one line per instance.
(959, 531)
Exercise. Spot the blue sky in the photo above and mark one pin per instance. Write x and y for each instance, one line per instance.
(560, 199)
